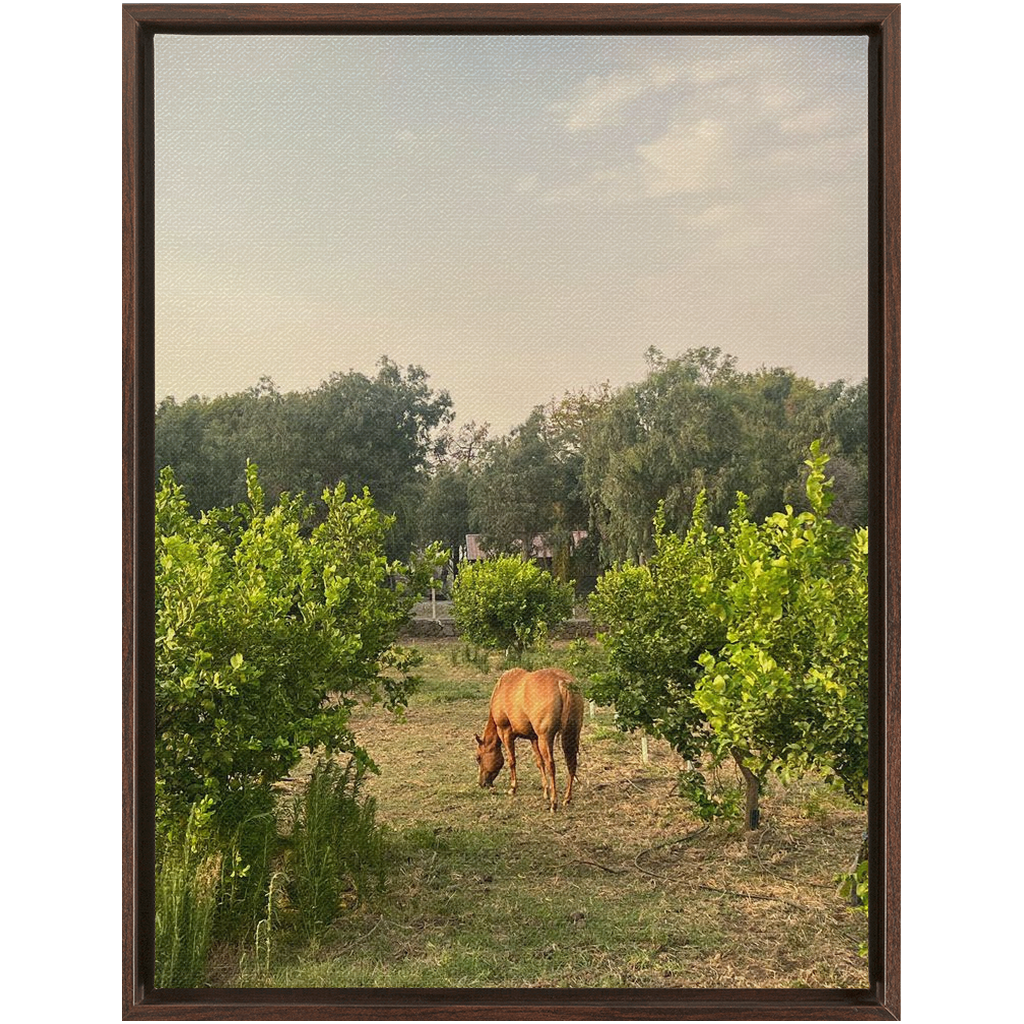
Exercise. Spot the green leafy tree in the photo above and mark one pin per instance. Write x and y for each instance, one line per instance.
(508, 604)
(789, 690)
(528, 486)
(444, 514)
(747, 641)
(267, 635)
(660, 442)
(654, 625)
(695, 423)
(366, 432)
(841, 418)
(375, 433)
(208, 441)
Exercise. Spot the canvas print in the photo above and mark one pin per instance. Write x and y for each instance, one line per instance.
(511, 432)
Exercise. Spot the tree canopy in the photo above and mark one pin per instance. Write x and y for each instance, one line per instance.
(695, 424)
(747, 641)
(598, 460)
(366, 432)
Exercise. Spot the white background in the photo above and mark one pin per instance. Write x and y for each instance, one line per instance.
(961, 508)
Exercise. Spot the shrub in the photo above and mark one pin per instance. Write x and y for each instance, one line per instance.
(268, 632)
(508, 604)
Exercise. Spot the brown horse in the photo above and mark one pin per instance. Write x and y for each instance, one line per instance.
(536, 706)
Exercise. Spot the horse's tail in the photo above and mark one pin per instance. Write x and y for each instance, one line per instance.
(572, 720)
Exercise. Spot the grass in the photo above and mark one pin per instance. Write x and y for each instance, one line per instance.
(622, 888)
(186, 898)
(335, 849)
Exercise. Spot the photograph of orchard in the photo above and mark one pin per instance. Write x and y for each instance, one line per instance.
(476, 353)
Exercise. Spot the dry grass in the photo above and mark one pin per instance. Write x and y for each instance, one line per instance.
(622, 888)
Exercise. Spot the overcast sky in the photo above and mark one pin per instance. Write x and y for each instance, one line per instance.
(518, 215)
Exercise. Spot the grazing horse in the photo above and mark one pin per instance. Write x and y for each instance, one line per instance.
(536, 706)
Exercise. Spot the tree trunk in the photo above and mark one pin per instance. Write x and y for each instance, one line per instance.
(751, 812)
(862, 855)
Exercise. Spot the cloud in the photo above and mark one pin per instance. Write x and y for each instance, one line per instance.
(603, 186)
(601, 99)
(723, 120)
(689, 157)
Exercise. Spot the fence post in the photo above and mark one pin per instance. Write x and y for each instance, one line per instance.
(645, 752)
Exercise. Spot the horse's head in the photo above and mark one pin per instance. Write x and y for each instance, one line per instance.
(490, 758)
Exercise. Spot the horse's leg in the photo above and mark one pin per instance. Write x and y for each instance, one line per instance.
(540, 765)
(571, 729)
(544, 744)
(570, 747)
(510, 745)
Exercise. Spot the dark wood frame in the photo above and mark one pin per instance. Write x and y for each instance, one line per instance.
(881, 1001)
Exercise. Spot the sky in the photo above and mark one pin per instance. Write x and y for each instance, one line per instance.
(520, 216)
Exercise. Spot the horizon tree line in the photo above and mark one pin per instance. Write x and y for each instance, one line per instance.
(597, 460)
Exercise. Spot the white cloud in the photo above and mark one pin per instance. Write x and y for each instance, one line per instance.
(600, 99)
(688, 158)
(774, 95)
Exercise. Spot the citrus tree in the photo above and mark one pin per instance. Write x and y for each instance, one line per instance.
(654, 625)
(507, 603)
(747, 641)
(267, 634)
(789, 689)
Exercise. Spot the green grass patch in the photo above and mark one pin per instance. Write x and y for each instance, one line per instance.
(467, 915)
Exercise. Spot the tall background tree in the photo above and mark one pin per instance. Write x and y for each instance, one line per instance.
(444, 514)
(366, 432)
(597, 460)
(521, 489)
(694, 424)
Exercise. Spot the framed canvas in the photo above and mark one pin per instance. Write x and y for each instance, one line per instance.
(584, 67)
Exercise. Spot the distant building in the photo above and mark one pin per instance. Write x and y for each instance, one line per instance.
(540, 551)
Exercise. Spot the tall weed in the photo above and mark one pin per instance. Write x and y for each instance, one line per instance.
(337, 850)
(250, 845)
(254, 970)
(187, 878)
